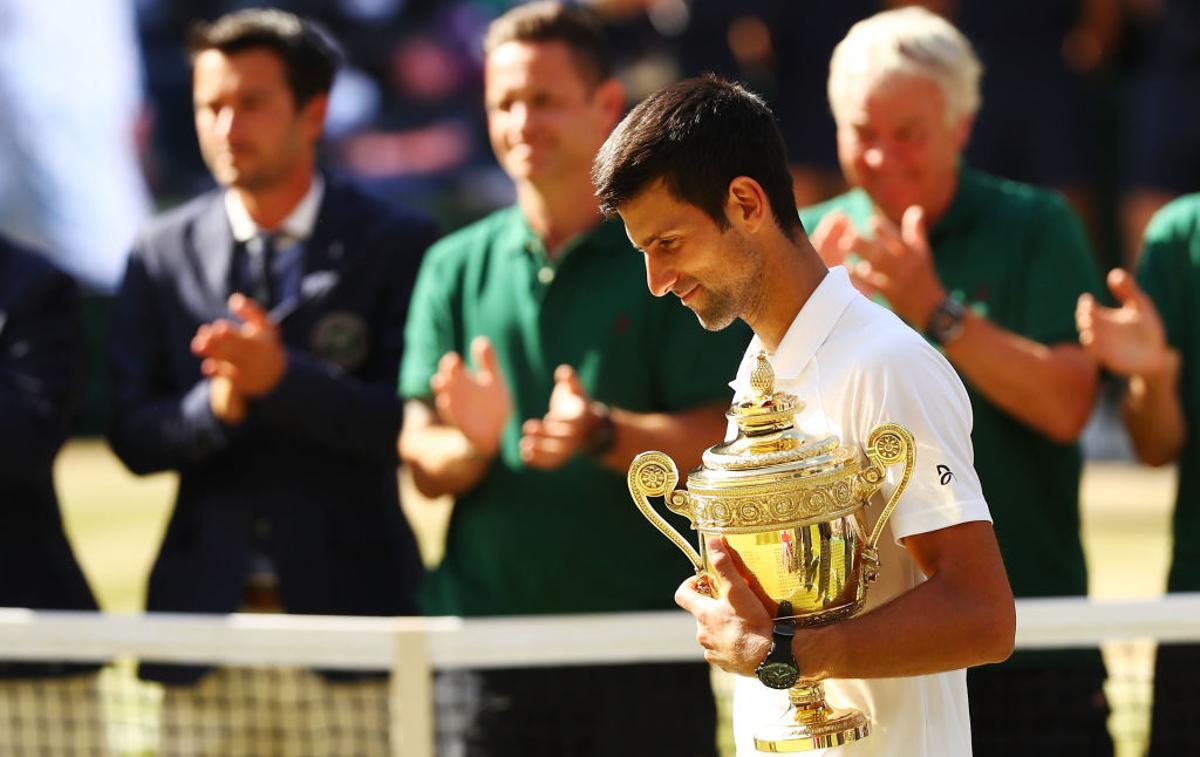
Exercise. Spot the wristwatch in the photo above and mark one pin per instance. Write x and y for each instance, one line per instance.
(778, 670)
(602, 438)
(946, 322)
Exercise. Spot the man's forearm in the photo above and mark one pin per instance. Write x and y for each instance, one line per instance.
(963, 615)
(1049, 388)
(684, 435)
(1153, 414)
(442, 460)
(898, 638)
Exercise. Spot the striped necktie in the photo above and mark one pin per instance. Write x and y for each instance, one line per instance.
(262, 254)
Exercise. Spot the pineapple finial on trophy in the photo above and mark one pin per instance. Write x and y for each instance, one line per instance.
(762, 378)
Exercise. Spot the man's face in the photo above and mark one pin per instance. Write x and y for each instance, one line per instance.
(717, 274)
(251, 134)
(545, 120)
(895, 143)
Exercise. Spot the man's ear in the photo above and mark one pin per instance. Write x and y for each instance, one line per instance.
(962, 131)
(746, 204)
(312, 115)
(610, 95)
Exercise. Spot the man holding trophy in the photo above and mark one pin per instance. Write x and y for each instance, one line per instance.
(698, 174)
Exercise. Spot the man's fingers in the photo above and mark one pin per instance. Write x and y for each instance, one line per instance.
(1124, 287)
(912, 229)
(867, 279)
(558, 429)
(483, 355)
(565, 374)
(544, 454)
(827, 238)
(721, 558)
(686, 595)
(248, 310)
(449, 362)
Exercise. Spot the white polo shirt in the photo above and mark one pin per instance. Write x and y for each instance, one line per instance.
(856, 365)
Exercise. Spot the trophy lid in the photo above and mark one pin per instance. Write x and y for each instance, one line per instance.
(768, 444)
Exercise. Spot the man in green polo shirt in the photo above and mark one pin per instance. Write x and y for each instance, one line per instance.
(1153, 339)
(574, 368)
(989, 270)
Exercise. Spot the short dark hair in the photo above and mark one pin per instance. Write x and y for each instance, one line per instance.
(310, 56)
(697, 136)
(539, 22)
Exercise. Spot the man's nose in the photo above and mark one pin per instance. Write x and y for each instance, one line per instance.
(225, 122)
(876, 156)
(659, 278)
(521, 116)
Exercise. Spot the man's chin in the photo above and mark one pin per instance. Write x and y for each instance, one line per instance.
(715, 321)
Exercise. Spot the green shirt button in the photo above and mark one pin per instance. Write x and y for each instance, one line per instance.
(545, 274)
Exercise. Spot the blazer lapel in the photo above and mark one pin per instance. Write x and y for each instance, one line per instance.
(325, 253)
(212, 250)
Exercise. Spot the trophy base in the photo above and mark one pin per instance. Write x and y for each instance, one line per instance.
(820, 728)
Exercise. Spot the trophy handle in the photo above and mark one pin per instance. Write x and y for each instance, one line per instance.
(887, 445)
(653, 474)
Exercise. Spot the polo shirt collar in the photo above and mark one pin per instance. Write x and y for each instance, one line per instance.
(962, 210)
(529, 243)
(298, 226)
(812, 324)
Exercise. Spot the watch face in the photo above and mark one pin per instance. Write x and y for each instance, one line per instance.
(778, 675)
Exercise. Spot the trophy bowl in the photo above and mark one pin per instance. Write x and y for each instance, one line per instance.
(793, 508)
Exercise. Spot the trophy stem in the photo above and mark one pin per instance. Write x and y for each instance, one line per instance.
(810, 723)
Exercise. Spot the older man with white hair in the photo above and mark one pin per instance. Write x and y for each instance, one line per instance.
(989, 270)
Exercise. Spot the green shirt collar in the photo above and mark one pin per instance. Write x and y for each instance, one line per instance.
(963, 206)
(609, 233)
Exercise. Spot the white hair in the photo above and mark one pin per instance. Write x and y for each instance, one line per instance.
(909, 41)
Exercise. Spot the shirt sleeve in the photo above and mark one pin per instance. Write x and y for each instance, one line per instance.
(1163, 266)
(429, 331)
(910, 384)
(1061, 267)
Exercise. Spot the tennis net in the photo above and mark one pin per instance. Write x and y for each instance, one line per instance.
(292, 684)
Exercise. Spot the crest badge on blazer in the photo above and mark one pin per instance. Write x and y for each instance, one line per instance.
(342, 338)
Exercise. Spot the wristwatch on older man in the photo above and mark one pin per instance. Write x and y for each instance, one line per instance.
(946, 323)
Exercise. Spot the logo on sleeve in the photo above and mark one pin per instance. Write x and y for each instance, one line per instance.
(945, 475)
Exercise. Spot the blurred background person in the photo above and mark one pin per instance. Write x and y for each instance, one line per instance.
(1153, 340)
(257, 338)
(70, 182)
(536, 366)
(47, 708)
(989, 270)
(1162, 131)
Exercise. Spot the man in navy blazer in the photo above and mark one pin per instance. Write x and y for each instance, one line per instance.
(256, 343)
(41, 368)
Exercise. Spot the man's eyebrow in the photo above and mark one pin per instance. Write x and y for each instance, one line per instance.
(648, 241)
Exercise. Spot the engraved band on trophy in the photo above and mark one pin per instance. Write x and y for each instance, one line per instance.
(793, 508)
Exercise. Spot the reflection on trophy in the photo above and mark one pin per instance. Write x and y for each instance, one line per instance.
(793, 509)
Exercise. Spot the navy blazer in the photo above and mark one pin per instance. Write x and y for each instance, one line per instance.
(314, 463)
(41, 368)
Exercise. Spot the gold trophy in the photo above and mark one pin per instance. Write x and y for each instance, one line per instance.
(793, 509)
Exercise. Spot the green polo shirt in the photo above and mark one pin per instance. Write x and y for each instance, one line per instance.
(1169, 271)
(571, 540)
(1017, 255)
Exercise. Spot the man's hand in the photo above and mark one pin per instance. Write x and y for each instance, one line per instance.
(571, 418)
(227, 405)
(834, 240)
(734, 628)
(249, 355)
(898, 263)
(1128, 340)
(477, 402)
